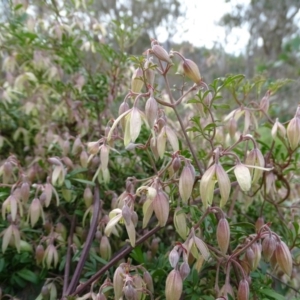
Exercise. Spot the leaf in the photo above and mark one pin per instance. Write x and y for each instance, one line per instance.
(28, 275)
(84, 181)
(273, 294)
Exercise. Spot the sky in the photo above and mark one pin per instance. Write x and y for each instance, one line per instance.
(200, 26)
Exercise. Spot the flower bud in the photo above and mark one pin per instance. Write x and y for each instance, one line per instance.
(151, 110)
(39, 254)
(184, 270)
(77, 146)
(153, 147)
(243, 177)
(268, 247)
(149, 281)
(226, 290)
(174, 285)
(278, 129)
(191, 70)
(174, 257)
(105, 248)
(50, 256)
(265, 102)
(161, 53)
(93, 148)
(249, 255)
(232, 127)
(138, 284)
(7, 172)
(137, 80)
(293, 131)
(223, 235)
(259, 223)
(284, 258)
(149, 73)
(118, 282)
(255, 158)
(176, 163)
(186, 182)
(256, 247)
(224, 184)
(122, 109)
(104, 156)
(243, 290)
(161, 208)
(207, 185)
(35, 211)
(25, 191)
(180, 223)
(129, 292)
(84, 159)
(135, 124)
(88, 197)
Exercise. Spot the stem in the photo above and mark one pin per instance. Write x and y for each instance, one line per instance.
(88, 243)
(188, 141)
(123, 252)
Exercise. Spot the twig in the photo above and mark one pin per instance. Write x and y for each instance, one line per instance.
(123, 252)
(88, 243)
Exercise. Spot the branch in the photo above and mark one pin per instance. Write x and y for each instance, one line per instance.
(123, 252)
(88, 243)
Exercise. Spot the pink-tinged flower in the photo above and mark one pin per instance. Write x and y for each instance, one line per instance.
(191, 70)
(104, 156)
(180, 223)
(278, 129)
(137, 80)
(243, 177)
(105, 248)
(173, 285)
(11, 235)
(243, 290)
(174, 257)
(255, 160)
(265, 102)
(151, 110)
(161, 53)
(223, 235)
(268, 247)
(117, 216)
(196, 246)
(11, 205)
(293, 130)
(284, 258)
(214, 174)
(50, 257)
(118, 281)
(149, 72)
(186, 182)
(161, 207)
(35, 212)
(59, 172)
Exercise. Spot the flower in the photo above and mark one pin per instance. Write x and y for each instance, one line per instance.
(123, 216)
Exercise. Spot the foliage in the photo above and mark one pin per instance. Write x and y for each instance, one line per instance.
(170, 191)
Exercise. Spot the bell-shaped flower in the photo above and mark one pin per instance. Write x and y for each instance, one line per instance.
(256, 161)
(243, 176)
(278, 130)
(214, 174)
(186, 182)
(123, 216)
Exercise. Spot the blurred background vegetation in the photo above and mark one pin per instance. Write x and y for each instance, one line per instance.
(65, 70)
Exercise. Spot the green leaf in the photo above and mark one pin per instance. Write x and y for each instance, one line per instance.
(77, 171)
(272, 294)
(84, 181)
(28, 276)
